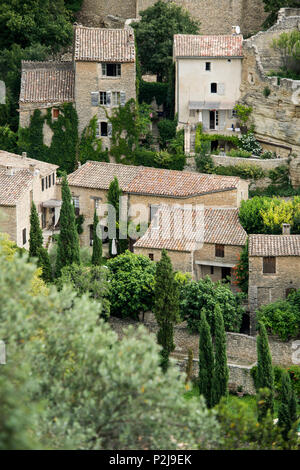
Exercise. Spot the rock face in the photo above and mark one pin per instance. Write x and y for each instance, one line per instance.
(295, 172)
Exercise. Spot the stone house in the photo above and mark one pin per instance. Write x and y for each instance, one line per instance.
(23, 180)
(144, 189)
(100, 77)
(199, 240)
(274, 269)
(208, 71)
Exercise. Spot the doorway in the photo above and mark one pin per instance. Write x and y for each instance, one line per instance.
(213, 119)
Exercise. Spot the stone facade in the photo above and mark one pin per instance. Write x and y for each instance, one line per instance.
(248, 14)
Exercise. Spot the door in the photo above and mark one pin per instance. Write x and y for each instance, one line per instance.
(226, 272)
(212, 119)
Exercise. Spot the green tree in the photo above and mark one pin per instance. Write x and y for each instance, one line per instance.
(273, 6)
(154, 36)
(113, 198)
(97, 243)
(206, 361)
(241, 270)
(287, 412)
(35, 234)
(68, 241)
(8, 139)
(166, 306)
(265, 372)
(132, 279)
(220, 375)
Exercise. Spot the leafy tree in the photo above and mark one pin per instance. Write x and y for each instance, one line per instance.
(90, 146)
(250, 214)
(68, 241)
(124, 401)
(206, 361)
(154, 36)
(281, 318)
(206, 294)
(167, 131)
(97, 243)
(8, 139)
(287, 413)
(166, 306)
(221, 373)
(265, 373)
(273, 6)
(132, 280)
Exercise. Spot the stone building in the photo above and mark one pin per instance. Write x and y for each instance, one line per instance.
(208, 71)
(144, 189)
(275, 103)
(274, 268)
(101, 76)
(215, 17)
(199, 240)
(23, 180)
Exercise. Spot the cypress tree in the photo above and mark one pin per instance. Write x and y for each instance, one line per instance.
(36, 234)
(44, 263)
(166, 306)
(287, 412)
(113, 198)
(265, 372)
(97, 243)
(206, 360)
(68, 241)
(220, 377)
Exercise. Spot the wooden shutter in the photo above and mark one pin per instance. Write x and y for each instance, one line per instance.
(108, 98)
(122, 98)
(94, 98)
(205, 118)
(109, 129)
(269, 265)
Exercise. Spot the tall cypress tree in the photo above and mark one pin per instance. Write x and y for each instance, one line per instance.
(220, 377)
(265, 372)
(166, 306)
(36, 234)
(113, 198)
(97, 243)
(68, 241)
(287, 408)
(206, 360)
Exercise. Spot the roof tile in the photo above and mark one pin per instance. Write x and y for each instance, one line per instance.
(190, 45)
(274, 245)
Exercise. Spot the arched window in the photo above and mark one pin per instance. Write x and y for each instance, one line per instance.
(213, 88)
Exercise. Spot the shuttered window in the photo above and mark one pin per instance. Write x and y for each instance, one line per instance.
(219, 251)
(94, 98)
(123, 98)
(269, 265)
(115, 98)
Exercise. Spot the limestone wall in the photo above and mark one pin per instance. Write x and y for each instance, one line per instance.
(266, 165)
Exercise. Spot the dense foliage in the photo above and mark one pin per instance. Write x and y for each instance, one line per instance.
(241, 270)
(97, 243)
(206, 360)
(90, 146)
(221, 372)
(206, 294)
(265, 373)
(132, 280)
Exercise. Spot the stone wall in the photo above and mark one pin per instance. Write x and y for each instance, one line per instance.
(266, 165)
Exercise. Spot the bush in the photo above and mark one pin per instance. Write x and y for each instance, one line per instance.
(132, 279)
(268, 155)
(205, 294)
(279, 175)
(161, 159)
(244, 171)
(150, 90)
(167, 131)
(249, 143)
(239, 153)
(294, 372)
(280, 318)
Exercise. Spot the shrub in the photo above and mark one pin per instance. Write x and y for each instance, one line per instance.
(162, 159)
(267, 155)
(280, 175)
(244, 171)
(266, 92)
(250, 214)
(280, 318)
(239, 153)
(243, 112)
(205, 294)
(249, 143)
(167, 131)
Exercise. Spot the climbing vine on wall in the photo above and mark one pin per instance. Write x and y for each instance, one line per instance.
(90, 146)
(31, 138)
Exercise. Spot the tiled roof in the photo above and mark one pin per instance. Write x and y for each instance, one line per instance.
(13, 160)
(175, 229)
(150, 181)
(47, 82)
(190, 45)
(12, 186)
(274, 245)
(104, 45)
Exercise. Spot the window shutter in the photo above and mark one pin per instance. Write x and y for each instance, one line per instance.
(221, 89)
(122, 98)
(109, 129)
(222, 115)
(94, 98)
(205, 119)
(108, 98)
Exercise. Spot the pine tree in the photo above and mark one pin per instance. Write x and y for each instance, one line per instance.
(220, 377)
(265, 372)
(68, 241)
(287, 412)
(166, 306)
(206, 360)
(97, 243)
(35, 235)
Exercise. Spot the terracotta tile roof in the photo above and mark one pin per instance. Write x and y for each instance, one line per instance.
(174, 229)
(47, 82)
(13, 185)
(104, 45)
(150, 181)
(13, 160)
(190, 45)
(274, 245)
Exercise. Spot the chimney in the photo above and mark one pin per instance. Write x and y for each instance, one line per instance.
(31, 168)
(24, 154)
(286, 229)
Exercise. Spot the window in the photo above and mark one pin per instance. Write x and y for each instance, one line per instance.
(24, 236)
(151, 256)
(111, 70)
(49, 181)
(103, 97)
(208, 66)
(233, 113)
(269, 265)
(213, 88)
(103, 129)
(55, 113)
(53, 178)
(219, 251)
(97, 202)
(43, 184)
(211, 270)
(75, 200)
(116, 98)
(46, 180)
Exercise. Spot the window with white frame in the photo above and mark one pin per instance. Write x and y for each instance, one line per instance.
(111, 70)
(103, 97)
(213, 88)
(75, 200)
(116, 98)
